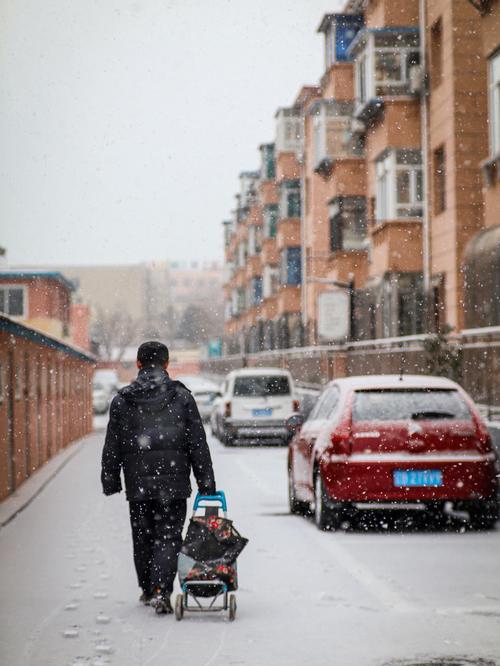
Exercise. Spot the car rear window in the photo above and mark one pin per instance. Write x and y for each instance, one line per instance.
(260, 386)
(422, 404)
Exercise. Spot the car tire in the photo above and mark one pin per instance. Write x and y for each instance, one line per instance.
(296, 507)
(324, 517)
(483, 516)
(227, 439)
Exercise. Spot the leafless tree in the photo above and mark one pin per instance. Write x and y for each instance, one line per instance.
(114, 331)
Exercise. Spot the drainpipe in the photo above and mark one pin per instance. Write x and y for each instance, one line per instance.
(303, 228)
(424, 122)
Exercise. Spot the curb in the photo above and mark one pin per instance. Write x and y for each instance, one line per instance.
(14, 504)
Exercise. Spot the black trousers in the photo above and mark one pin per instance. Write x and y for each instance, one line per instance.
(157, 539)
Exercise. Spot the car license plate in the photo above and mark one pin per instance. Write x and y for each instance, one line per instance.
(265, 411)
(417, 478)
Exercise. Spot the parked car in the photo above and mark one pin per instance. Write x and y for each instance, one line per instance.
(100, 398)
(204, 392)
(107, 379)
(390, 442)
(254, 406)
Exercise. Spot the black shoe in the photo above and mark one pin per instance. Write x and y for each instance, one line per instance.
(161, 603)
(146, 598)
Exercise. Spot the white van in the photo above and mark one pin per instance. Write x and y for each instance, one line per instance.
(255, 405)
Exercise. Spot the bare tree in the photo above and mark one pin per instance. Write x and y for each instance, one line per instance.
(114, 331)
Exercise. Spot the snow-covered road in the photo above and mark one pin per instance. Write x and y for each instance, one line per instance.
(362, 598)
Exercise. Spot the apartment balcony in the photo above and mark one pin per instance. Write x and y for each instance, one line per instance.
(269, 253)
(387, 65)
(268, 193)
(269, 308)
(344, 264)
(254, 266)
(333, 138)
(240, 277)
(287, 167)
(288, 233)
(289, 131)
(348, 177)
(396, 247)
(289, 299)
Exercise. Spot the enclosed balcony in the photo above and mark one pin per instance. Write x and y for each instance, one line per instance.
(387, 64)
(267, 162)
(348, 225)
(339, 31)
(289, 132)
(333, 137)
(290, 199)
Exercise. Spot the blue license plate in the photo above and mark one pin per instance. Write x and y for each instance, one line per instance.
(266, 411)
(417, 478)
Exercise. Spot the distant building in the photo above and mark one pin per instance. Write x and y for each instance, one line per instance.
(40, 299)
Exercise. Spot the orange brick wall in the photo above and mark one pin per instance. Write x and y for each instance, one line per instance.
(47, 406)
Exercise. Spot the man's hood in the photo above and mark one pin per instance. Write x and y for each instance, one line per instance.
(152, 390)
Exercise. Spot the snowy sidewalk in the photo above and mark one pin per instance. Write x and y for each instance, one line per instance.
(69, 594)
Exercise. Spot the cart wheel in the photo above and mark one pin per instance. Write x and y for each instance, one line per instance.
(179, 607)
(232, 607)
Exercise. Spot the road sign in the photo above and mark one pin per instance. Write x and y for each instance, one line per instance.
(334, 315)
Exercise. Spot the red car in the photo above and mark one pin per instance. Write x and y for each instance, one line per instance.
(390, 441)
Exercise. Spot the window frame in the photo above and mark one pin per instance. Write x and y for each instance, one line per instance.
(5, 287)
(494, 102)
(387, 205)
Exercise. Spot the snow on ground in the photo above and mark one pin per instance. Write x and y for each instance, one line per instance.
(359, 598)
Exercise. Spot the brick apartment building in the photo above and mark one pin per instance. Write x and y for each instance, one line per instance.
(43, 300)
(374, 214)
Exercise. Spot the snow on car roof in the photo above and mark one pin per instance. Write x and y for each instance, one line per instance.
(260, 371)
(394, 381)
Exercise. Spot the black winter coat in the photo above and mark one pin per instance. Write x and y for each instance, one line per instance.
(155, 433)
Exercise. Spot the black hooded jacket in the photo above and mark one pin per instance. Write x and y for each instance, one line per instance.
(155, 433)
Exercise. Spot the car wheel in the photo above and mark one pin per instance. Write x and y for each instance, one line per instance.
(296, 507)
(483, 516)
(324, 517)
(227, 439)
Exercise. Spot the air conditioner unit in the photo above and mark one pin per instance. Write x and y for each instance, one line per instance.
(416, 78)
(357, 126)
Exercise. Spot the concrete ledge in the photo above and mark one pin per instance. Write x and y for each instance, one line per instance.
(26, 493)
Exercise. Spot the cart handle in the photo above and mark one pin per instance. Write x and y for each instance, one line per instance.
(219, 496)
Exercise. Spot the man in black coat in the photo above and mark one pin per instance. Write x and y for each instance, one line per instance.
(156, 435)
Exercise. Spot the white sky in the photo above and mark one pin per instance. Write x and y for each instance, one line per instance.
(124, 125)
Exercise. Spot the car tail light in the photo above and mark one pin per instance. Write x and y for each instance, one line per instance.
(227, 410)
(341, 442)
(484, 442)
(296, 405)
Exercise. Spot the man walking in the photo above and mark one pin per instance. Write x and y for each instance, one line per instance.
(156, 434)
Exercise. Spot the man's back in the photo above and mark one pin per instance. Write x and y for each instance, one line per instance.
(155, 432)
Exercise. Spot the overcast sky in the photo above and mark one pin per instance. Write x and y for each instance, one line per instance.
(124, 125)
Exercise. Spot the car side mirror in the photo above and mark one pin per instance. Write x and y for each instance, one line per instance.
(294, 423)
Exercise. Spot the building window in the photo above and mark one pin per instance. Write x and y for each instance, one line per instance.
(291, 268)
(347, 224)
(13, 301)
(270, 281)
(384, 60)
(290, 199)
(439, 168)
(437, 53)
(271, 214)
(494, 94)
(256, 294)
(399, 185)
(268, 168)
